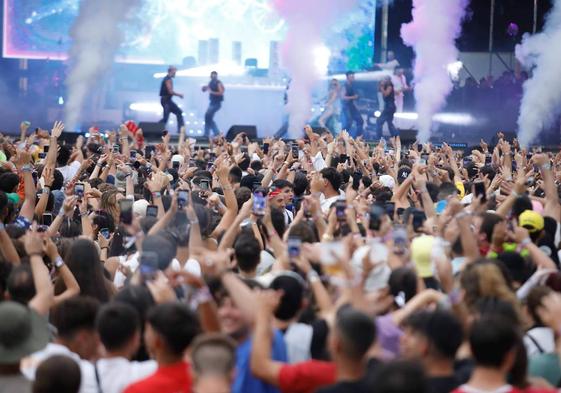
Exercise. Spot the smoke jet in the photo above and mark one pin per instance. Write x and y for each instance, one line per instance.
(432, 33)
(307, 21)
(96, 37)
(541, 102)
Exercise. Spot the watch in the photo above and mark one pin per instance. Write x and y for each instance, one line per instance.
(27, 168)
(46, 190)
(59, 262)
(546, 166)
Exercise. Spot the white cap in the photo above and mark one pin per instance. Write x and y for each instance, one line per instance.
(387, 181)
(139, 207)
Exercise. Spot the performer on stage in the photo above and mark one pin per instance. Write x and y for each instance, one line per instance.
(386, 88)
(350, 111)
(400, 87)
(389, 66)
(215, 90)
(332, 106)
(166, 94)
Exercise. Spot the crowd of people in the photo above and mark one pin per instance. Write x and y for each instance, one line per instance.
(324, 264)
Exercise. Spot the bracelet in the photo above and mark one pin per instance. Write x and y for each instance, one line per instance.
(45, 190)
(312, 276)
(193, 221)
(26, 168)
(156, 194)
(525, 242)
(327, 238)
(546, 166)
(58, 262)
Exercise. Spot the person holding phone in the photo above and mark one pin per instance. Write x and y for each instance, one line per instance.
(166, 94)
(215, 90)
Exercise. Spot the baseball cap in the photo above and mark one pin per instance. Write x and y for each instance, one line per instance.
(387, 181)
(421, 255)
(139, 207)
(531, 220)
(403, 173)
(22, 332)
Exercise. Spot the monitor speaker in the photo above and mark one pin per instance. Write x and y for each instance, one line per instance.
(250, 131)
(151, 129)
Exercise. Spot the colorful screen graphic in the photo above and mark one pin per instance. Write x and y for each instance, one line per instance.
(164, 31)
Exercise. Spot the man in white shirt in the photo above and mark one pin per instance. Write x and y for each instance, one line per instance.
(118, 326)
(390, 67)
(328, 185)
(76, 338)
(68, 169)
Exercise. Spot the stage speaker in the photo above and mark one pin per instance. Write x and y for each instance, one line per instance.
(151, 129)
(250, 131)
(408, 137)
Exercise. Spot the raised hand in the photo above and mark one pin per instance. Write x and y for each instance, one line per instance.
(57, 129)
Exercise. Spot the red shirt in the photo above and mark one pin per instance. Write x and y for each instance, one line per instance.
(306, 377)
(175, 378)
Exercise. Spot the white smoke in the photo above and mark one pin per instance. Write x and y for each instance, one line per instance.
(541, 103)
(307, 21)
(96, 37)
(432, 33)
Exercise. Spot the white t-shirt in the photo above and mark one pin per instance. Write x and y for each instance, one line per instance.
(69, 171)
(539, 340)
(115, 374)
(29, 365)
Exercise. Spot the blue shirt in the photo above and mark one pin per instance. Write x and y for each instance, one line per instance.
(245, 382)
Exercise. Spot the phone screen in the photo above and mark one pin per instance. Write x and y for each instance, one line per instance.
(259, 204)
(47, 219)
(125, 207)
(79, 190)
(133, 155)
(105, 232)
(175, 164)
(295, 151)
(376, 214)
(46, 148)
(148, 266)
(204, 184)
(152, 211)
(265, 148)
(294, 245)
(340, 207)
(182, 198)
(479, 190)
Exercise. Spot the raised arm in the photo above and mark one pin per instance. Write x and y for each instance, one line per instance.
(44, 291)
(24, 165)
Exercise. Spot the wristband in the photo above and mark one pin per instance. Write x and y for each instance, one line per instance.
(312, 276)
(58, 262)
(156, 194)
(27, 168)
(525, 242)
(45, 190)
(546, 166)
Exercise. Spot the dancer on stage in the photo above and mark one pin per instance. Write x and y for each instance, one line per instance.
(400, 87)
(350, 110)
(332, 106)
(215, 90)
(166, 94)
(386, 88)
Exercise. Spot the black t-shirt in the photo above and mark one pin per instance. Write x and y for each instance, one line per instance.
(443, 384)
(164, 92)
(364, 385)
(213, 86)
(349, 92)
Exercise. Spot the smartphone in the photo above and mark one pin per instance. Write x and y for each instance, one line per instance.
(256, 185)
(182, 198)
(479, 190)
(419, 218)
(265, 148)
(295, 151)
(259, 203)
(340, 210)
(204, 184)
(42, 155)
(125, 207)
(243, 149)
(116, 148)
(175, 164)
(105, 232)
(148, 169)
(343, 158)
(133, 155)
(356, 180)
(46, 148)
(164, 132)
(376, 215)
(47, 219)
(148, 151)
(294, 245)
(488, 159)
(151, 211)
(148, 266)
(79, 190)
(399, 235)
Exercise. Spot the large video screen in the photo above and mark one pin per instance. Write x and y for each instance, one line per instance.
(167, 31)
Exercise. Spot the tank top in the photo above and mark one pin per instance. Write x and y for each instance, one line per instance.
(163, 88)
(213, 86)
(390, 99)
